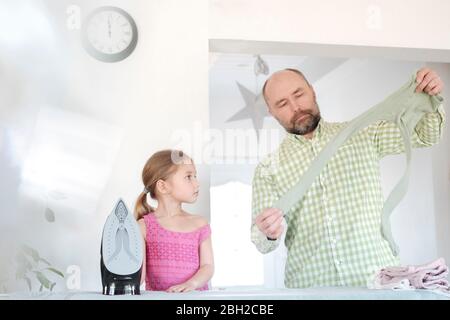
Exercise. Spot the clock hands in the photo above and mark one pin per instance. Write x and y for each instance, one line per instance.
(109, 26)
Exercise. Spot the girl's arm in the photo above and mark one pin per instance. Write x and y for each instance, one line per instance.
(143, 233)
(204, 273)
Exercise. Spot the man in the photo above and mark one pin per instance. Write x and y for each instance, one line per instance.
(334, 233)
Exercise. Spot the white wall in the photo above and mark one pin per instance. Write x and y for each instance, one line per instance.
(105, 119)
(441, 176)
(400, 23)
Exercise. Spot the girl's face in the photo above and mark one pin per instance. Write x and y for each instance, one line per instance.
(183, 184)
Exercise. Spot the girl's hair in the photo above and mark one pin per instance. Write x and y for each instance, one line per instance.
(160, 166)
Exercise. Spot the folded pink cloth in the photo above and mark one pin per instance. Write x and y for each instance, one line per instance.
(432, 276)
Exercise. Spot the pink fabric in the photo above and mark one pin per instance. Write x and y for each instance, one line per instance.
(172, 257)
(427, 276)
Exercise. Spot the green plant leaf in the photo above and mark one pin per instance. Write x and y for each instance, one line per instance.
(23, 262)
(52, 286)
(22, 266)
(45, 261)
(57, 195)
(20, 272)
(43, 279)
(49, 215)
(59, 273)
(31, 252)
(28, 282)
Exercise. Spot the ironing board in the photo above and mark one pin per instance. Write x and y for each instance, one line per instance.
(246, 293)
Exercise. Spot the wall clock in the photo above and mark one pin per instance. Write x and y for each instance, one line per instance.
(109, 34)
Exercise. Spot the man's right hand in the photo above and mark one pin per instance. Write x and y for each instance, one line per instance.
(269, 222)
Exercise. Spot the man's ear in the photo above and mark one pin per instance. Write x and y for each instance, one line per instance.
(313, 91)
(269, 109)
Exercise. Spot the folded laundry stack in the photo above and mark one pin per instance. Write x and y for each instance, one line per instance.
(431, 276)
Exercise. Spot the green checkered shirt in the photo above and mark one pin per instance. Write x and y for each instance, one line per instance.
(334, 233)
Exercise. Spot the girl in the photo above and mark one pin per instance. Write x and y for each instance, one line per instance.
(178, 252)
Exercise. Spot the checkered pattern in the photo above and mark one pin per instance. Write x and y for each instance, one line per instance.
(334, 233)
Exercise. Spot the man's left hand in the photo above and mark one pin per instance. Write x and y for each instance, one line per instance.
(429, 82)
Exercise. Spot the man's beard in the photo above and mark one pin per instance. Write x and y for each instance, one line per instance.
(307, 125)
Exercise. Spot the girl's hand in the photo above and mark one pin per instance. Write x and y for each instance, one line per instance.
(184, 287)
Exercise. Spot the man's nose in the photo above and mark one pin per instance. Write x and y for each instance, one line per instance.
(295, 106)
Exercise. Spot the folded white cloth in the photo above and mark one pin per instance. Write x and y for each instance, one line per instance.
(432, 276)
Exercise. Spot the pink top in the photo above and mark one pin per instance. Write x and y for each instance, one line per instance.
(172, 257)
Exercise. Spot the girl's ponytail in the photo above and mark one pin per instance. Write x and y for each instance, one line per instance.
(142, 207)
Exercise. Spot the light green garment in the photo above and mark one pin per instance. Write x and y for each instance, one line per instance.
(404, 107)
(334, 214)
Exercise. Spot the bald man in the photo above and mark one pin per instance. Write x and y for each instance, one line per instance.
(334, 233)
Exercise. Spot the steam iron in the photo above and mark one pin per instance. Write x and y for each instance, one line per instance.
(121, 253)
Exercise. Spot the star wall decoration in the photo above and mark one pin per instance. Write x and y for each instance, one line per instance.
(255, 109)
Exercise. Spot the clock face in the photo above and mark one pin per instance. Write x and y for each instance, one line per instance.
(109, 34)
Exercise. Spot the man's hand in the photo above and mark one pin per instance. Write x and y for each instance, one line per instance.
(428, 81)
(269, 222)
